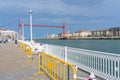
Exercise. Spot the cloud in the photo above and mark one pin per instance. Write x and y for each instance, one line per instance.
(62, 7)
(84, 3)
(59, 11)
(55, 7)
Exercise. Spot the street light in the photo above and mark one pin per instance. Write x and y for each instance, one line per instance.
(30, 12)
(23, 32)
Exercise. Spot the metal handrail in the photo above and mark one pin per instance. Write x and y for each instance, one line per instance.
(102, 64)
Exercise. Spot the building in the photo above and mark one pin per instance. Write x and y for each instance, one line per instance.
(105, 33)
(68, 35)
(81, 34)
(114, 32)
(65, 35)
(8, 34)
(111, 32)
(52, 36)
(1, 29)
(60, 35)
(100, 33)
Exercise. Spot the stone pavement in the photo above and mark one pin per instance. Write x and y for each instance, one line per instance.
(14, 64)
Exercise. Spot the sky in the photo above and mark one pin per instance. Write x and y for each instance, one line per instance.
(77, 15)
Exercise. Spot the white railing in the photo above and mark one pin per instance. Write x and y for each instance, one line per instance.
(102, 64)
(105, 65)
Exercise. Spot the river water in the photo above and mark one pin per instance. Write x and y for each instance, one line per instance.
(111, 46)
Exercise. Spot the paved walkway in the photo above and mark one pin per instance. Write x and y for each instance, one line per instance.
(14, 64)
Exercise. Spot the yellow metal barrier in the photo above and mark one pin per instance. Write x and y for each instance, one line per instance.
(56, 68)
(27, 49)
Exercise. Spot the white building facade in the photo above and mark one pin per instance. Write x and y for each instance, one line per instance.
(81, 34)
(9, 34)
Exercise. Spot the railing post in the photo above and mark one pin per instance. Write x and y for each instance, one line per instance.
(68, 73)
(65, 53)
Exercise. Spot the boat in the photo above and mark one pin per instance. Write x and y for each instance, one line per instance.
(62, 38)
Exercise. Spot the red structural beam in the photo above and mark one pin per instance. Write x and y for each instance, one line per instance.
(39, 25)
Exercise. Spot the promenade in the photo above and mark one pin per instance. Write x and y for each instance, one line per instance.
(14, 64)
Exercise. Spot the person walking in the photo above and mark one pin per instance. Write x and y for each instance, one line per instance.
(40, 48)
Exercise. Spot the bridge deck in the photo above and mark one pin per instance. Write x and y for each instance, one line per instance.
(14, 65)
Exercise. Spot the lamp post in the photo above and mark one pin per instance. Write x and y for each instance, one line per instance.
(23, 32)
(30, 25)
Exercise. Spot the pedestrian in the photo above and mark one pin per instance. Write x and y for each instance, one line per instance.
(16, 41)
(4, 41)
(40, 48)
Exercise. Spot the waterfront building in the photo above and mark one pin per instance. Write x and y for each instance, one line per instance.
(67, 34)
(105, 33)
(100, 33)
(60, 35)
(0, 32)
(115, 32)
(9, 34)
(52, 36)
(1, 29)
(81, 34)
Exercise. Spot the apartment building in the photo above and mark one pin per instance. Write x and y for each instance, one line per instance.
(8, 34)
(81, 34)
(100, 33)
(52, 36)
(114, 32)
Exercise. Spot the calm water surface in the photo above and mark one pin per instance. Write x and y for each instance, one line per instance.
(111, 46)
